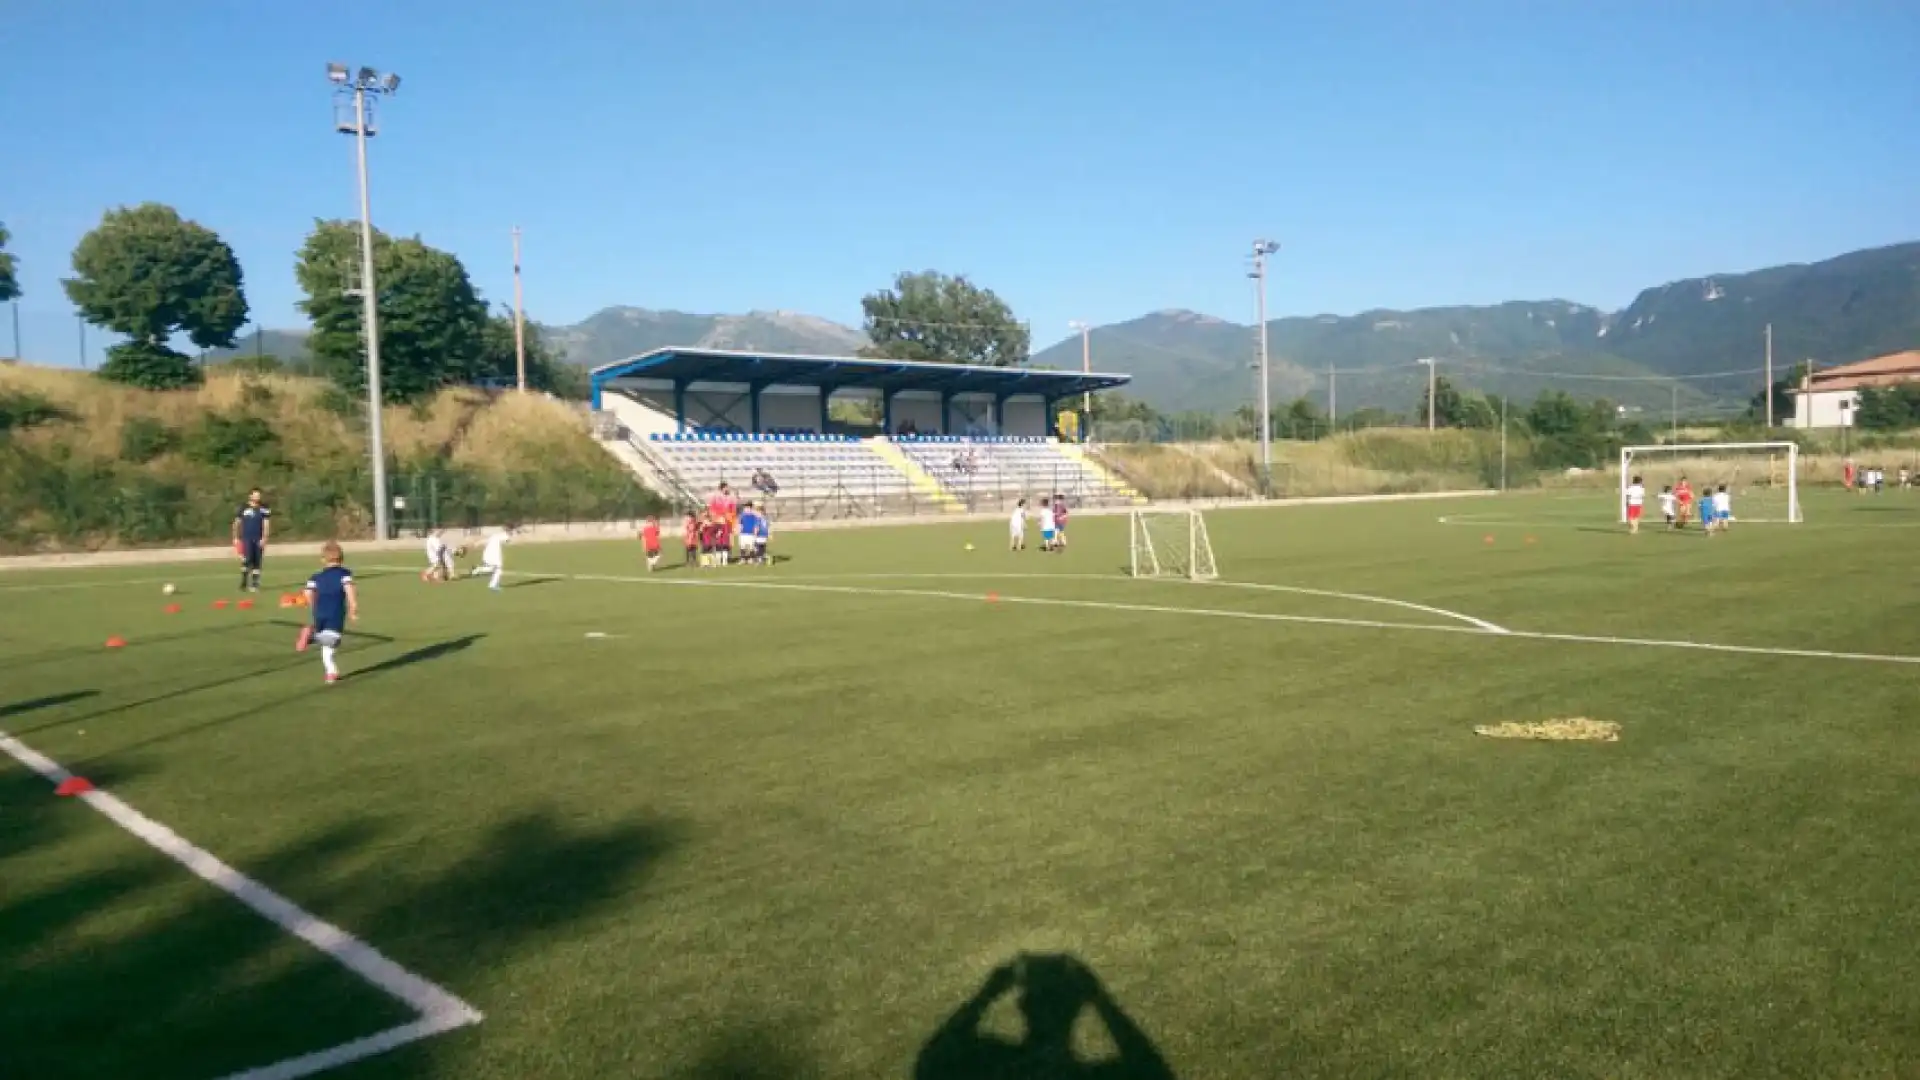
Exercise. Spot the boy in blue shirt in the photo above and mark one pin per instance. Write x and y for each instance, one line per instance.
(1707, 516)
(333, 601)
(760, 530)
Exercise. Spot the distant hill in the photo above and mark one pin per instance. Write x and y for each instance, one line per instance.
(288, 345)
(1863, 304)
(619, 332)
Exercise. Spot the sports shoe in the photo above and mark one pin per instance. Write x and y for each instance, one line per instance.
(332, 677)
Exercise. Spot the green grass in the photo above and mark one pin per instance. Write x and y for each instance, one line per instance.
(787, 833)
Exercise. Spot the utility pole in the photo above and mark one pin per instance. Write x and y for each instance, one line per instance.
(1769, 375)
(1333, 399)
(81, 321)
(1673, 413)
(15, 305)
(358, 123)
(519, 317)
(1086, 368)
(1433, 368)
(1503, 442)
(1262, 249)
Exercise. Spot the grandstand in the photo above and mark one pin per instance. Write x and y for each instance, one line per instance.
(949, 437)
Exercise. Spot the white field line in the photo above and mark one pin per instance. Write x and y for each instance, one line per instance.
(45, 586)
(1258, 616)
(1251, 585)
(439, 1010)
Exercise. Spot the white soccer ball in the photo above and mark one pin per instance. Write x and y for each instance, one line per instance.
(167, 588)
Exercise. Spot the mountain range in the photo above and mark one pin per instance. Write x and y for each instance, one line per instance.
(1698, 343)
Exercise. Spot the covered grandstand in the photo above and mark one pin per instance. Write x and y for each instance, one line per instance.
(944, 437)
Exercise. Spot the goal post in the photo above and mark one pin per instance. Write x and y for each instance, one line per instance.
(1170, 543)
(1762, 477)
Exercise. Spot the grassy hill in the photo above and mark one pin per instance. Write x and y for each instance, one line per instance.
(87, 464)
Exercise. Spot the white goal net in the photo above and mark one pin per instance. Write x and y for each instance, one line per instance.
(1763, 478)
(1171, 543)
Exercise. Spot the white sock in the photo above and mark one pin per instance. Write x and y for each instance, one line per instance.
(326, 659)
(495, 583)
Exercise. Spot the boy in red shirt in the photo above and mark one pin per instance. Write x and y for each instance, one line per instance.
(650, 542)
(690, 538)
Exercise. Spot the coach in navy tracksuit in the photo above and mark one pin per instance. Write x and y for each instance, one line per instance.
(252, 524)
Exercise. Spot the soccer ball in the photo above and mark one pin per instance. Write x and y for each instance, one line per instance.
(969, 547)
(167, 589)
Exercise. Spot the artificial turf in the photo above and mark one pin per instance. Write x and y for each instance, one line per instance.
(791, 832)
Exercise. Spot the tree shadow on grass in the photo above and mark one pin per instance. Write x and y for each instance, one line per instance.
(1051, 991)
(135, 968)
(46, 702)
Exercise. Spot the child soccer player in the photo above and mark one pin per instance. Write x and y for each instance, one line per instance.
(252, 525)
(1722, 508)
(650, 542)
(332, 599)
(1706, 511)
(439, 558)
(749, 536)
(1636, 502)
(1046, 525)
(493, 559)
(1667, 506)
(762, 532)
(1017, 527)
(690, 539)
(1683, 500)
(1060, 522)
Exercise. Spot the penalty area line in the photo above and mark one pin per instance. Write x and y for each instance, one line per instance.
(440, 1011)
(1506, 634)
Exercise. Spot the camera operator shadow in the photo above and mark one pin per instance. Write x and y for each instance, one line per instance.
(1053, 991)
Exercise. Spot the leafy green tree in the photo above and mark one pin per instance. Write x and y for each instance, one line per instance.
(9, 269)
(1478, 412)
(930, 316)
(1301, 419)
(149, 274)
(433, 325)
(1446, 403)
(1888, 408)
(547, 370)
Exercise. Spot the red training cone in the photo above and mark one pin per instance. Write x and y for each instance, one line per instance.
(73, 785)
(116, 642)
(1487, 539)
(220, 604)
(992, 597)
(244, 605)
(171, 609)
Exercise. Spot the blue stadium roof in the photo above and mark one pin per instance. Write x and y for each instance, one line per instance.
(846, 373)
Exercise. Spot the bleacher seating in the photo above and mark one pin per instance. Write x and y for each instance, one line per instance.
(817, 475)
(992, 472)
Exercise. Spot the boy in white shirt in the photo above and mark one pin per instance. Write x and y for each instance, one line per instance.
(1017, 527)
(1669, 506)
(1722, 508)
(1046, 525)
(493, 559)
(439, 558)
(1636, 503)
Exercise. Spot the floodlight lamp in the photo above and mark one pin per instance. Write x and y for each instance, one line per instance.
(1265, 247)
(390, 83)
(337, 73)
(368, 76)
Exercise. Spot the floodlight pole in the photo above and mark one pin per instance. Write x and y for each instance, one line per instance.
(1262, 249)
(1769, 375)
(15, 305)
(1433, 368)
(519, 318)
(368, 81)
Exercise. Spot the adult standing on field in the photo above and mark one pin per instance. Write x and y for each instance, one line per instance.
(252, 525)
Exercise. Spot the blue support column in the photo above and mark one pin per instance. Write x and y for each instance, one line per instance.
(946, 413)
(886, 412)
(1053, 417)
(1000, 414)
(680, 404)
(753, 405)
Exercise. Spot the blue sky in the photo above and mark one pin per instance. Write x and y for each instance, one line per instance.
(1086, 161)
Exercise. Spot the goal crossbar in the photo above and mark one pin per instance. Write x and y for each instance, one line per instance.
(1786, 453)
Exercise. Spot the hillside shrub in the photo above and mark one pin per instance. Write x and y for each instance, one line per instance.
(143, 438)
(22, 409)
(228, 441)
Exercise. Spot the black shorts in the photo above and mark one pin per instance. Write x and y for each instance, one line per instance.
(251, 552)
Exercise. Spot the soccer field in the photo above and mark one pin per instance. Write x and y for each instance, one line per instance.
(805, 821)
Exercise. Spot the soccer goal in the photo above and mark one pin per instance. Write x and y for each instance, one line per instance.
(1171, 543)
(1762, 477)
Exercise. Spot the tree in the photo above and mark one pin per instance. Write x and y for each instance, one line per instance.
(432, 322)
(1888, 408)
(546, 369)
(1300, 420)
(150, 274)
(9, 270)
(1446, 403)
(933, 317)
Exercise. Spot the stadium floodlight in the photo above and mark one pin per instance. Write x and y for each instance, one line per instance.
(1170, 543)
(353, 115)
(1085, 330)
(1433, 367)
(1762, 477)
(1262, 249)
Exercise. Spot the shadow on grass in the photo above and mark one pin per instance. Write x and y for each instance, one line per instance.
(47, 702)
(183, 691)
(529, 582)
(1051, 992)
(420, 656)
(132, 968)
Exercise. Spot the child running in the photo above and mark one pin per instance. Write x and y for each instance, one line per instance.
(334, 602)
(1667, 506)
(1706, 511)
(1636, 503)
(1683, 499)
(1017, 527)
(493, 559)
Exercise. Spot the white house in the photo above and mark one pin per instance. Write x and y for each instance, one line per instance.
(1827, 399)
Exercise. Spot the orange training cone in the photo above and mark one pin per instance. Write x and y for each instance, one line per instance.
(220, 604)
(171, 609)
(73, 785)
(244, 605)
(993, 597)
(1487, 539)
(116, 642)
(286, 600)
